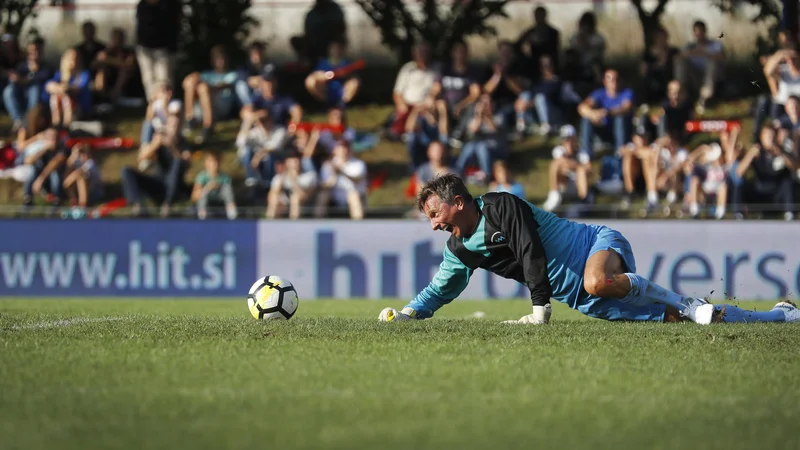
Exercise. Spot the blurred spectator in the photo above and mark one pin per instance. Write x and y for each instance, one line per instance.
(213, 188)
(505, 82)
(486, 141)
(413, 85)
(90, 48)
(658, 66)
(538, 41)
(258, 139)
(456, 89)
(171, 155)
(608, 112)
(294, 187)
(68, 92)
(83, 183)
(26, 85)
(337, 120)
(158, 27)
(424, 126)
(701, 64)
(639, 166)
(581, 79)
(324, 23)
(343, 180)
(160, 111)
(503, 181)
(10, 56)
(772, 170)
(589, 46)
(214, 89)
(437, 165)
(283, 110)
(257, 66)
(708, 166)
(569, 171)
(327, 88)
(788, 125)
(115, 67)
(671, 163)
(37, 147)
(675, 111)
(545, 98)
(782, 70)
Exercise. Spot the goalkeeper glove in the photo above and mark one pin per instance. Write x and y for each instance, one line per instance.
(392, 315)
(540, 316)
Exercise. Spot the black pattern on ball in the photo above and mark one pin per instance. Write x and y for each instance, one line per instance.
(279, 307)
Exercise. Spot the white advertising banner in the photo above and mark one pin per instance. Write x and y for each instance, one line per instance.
(397, 258)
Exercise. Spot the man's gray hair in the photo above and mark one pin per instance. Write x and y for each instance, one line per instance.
(447, 187)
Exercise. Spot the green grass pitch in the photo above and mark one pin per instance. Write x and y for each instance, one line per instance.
(166, 374)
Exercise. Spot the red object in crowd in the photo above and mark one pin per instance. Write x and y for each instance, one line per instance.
(345, 70)
(101, 143)
(7, 157)
(107, 208)
(411, 189)
(712, 126)
(311, 126)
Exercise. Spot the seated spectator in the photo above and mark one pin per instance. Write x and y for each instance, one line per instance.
(589, 46)
(116, 68)
(213, 188)
(545, 98)
(670, 167)
(161, 110)
(26, 85)
(503, 181)
(504, 83)
(343, 180)
(257, 66)
(10, 55)
(456, 89)
(89, 49)
(708, 168)
(171, 157)
(569, 171)
(83, 183)
(436, 165)
(580, 79)
(258, 139)
(214, 89)
(337, 118)
(788, 125)
(37, 148)
(772, 170)
(782, 70)
(676, 110)
(485, 141)
(658, 66)
(608, 112)
(423, 126)
(283, 110)
(331, 90)
(538, 41)
(700, 65)
(413, 85)
(293, 187)
(69, 93)
(639, 165)
(324, 22)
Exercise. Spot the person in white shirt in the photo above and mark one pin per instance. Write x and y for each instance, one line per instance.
(700, 64)
(413, 85)
(569, 170)
(343, 179)
(671, 164)
(258, 138)
(293, 186)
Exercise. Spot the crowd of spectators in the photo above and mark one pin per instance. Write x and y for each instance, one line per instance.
(453, 116)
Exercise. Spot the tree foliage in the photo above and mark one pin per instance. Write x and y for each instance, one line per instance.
(438, 24)
(767, 11)
(215, 22)
(649, 20)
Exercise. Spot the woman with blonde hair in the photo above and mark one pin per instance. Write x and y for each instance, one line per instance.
(68, 92)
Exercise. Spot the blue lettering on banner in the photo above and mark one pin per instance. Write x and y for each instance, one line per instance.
(127, 258)
(780, 286)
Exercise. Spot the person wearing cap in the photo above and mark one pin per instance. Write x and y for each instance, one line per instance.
(608, 112)
(569, 170)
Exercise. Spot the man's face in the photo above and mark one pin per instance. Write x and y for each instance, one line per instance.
(447, 217)
(610, 80)
(436, 152)
(212, 166)
(699, 33)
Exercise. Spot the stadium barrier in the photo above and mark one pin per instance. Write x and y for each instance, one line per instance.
(368, 259)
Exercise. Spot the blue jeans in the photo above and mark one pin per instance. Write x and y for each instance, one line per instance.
(479, 150)
(164, 188)
(15, 97)
(266, 168)
(244, 93)
(617, 129)
(148, 130)
(54, 180)
(418, 142)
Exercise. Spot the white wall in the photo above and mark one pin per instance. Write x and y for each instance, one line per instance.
(281, 19)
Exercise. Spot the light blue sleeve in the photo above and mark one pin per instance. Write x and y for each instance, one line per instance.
(448, 283)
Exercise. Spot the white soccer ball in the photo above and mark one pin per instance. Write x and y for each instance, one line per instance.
(272, 297)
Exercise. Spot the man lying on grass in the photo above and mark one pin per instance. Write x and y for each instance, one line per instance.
(591, 268)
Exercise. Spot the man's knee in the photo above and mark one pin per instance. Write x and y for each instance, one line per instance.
(191, 81)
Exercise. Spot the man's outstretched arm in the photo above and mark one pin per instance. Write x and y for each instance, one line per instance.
(449, 282)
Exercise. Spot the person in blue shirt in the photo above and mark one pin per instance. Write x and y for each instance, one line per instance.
(68, 92)
(607, 111)
(26, 84)
(591, 268)
(503, 181)
(322, 85)
(284, 111)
